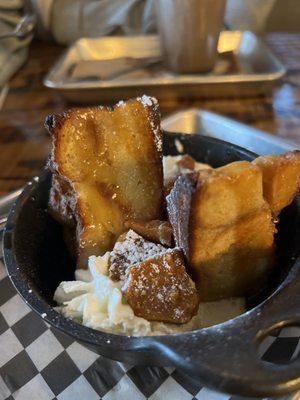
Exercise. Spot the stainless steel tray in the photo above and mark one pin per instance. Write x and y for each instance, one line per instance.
(245, 67)
(210, 124)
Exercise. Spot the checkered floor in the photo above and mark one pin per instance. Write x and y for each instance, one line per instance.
(40, 363)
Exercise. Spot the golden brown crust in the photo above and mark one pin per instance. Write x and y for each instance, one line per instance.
(224, 226)
(234, 260)
(226, 194)
(159, 289)
(231, 241)
(112, 158)
(281, 179)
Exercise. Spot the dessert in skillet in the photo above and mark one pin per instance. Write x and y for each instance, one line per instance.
(162, 244)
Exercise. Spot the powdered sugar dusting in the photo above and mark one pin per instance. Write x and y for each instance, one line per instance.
(132, 250)
(157, 135)
(160, 289)
(120, 103)
(147, 100)
(152, 102)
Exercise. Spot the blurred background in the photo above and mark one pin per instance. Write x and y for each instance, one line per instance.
(67, 20)
(56, 54)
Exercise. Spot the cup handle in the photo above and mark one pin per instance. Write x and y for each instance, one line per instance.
(225, 356)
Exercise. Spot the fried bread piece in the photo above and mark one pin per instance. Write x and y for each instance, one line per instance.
(229, 229)
(159, 289)
(156, 231)
(227, 193)
(112, 160)
(233, 260)
(281, 179)
(130, 249)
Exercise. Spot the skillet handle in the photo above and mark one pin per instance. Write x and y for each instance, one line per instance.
(225, 356)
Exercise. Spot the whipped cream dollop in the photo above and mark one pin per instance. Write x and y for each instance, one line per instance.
(96, 301)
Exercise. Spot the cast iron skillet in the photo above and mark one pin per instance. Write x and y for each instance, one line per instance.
(224, 356)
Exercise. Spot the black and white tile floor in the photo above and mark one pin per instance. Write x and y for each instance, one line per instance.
(40, 363)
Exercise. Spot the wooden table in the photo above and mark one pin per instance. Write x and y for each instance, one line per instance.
(24, 143)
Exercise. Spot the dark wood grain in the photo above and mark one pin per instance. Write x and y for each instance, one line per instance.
(24, 142)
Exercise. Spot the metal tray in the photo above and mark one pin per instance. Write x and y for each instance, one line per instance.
(210, 124)
(245, 67)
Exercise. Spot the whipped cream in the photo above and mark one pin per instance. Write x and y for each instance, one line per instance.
(98, 302)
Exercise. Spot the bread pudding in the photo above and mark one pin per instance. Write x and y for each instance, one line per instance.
(160, 244)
